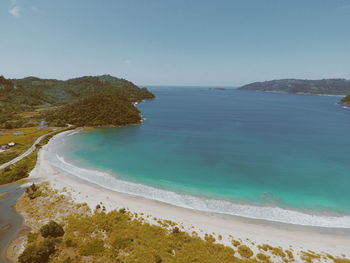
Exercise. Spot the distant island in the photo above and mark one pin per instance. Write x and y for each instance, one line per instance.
(84, 101)
(217, 89)
(322, 86)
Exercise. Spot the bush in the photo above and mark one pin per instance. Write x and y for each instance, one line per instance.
(38, 253)
(176, 230)
(122, 210)
(261, 256)
(245, 251)
(32, 191)
(236, 243)
(52, 229)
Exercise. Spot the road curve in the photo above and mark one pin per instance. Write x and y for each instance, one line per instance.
(26, 153)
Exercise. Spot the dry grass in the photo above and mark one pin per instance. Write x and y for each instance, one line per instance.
(27, 136)
(23, 137)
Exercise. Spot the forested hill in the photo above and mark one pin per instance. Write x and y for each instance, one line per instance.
(323, 86)
(51, 91)
(97, 110)
(31, 93)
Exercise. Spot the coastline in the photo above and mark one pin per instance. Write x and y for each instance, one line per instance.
(300, 238)
(55, 156)
(296, 93)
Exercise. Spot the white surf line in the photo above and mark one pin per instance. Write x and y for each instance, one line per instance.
(274, 214)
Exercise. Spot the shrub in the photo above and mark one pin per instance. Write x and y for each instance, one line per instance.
(32, 237)
(209, 238)
(176, 230)
(32, 191)
(52, 229)
(261, 256)
(236, 243)
(245, 251)
(38, 253)
(278, 252)
(122, 210)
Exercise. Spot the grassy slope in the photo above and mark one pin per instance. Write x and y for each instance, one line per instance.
(23, 140)
(22, 168)
(19, 170)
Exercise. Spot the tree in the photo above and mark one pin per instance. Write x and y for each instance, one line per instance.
(52, 229)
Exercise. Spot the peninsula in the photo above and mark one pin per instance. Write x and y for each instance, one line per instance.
(302, 86)
(32, 108)
(345, 101)
(25, 102)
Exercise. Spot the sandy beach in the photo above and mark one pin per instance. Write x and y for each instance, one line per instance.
(252, 232)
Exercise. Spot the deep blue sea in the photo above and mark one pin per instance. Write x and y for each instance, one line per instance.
(262, 149)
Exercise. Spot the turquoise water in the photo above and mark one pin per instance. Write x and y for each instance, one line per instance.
(290, 151)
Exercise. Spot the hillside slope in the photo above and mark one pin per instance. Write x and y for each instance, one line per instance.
(96, 110)
(29, 94)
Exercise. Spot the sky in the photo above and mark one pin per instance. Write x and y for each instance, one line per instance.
(182, 42)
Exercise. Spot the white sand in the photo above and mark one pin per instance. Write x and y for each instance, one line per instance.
(320, 240)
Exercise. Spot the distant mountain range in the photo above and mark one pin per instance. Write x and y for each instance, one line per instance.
(322, 86)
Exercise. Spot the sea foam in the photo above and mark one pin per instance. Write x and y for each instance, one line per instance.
(275, 214)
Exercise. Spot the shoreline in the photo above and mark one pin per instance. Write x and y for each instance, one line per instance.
(329, 240)
(108, 180)
(296, 93)
(11, 221)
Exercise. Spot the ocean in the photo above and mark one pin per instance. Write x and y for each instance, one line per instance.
(274, 156)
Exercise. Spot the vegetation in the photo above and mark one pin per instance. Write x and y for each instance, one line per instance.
(52, 229)
(23, 137)
(38, 253)
(323, 86)
(22, 168)
(345, 101)
(7, 156)
(22, 100)
(122, 236)
(19, 170)
(245, 251)
(86, 101)
(32, 191)
(97, 110)
(47, 138)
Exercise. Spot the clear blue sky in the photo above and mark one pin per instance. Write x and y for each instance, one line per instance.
(176, 42)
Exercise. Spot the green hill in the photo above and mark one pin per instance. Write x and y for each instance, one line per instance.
(97, 110)
(31, 93)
